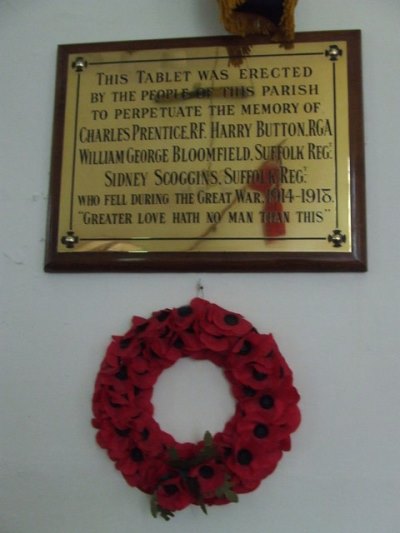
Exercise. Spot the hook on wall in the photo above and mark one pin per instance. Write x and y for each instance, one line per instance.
(200, 289)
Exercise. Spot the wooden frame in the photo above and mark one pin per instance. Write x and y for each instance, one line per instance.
(339, 249)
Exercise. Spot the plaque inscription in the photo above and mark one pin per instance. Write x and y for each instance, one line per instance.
(166, 156)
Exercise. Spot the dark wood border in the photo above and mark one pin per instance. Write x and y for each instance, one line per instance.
(216, 261)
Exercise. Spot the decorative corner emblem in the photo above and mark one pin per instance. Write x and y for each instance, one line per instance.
(337, 238)
(79, 64)
(70, 239)
(333, 52)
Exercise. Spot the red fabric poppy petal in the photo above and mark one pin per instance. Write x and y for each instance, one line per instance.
(216, 344)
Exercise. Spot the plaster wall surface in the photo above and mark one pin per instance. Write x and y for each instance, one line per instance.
(339, 332)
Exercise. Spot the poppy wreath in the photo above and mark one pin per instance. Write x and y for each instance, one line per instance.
(221, 466)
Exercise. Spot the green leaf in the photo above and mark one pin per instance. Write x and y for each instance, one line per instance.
(203, 508)
(208, 440)
(204, 455)
(194, 488)
(225, 491)
(154, 508)
(231, 496)
(167, 515)
(173, 454)
(219, 493)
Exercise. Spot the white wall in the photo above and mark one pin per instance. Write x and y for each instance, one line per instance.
(339, 332)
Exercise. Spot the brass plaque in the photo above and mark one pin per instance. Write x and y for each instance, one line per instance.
(177, 155)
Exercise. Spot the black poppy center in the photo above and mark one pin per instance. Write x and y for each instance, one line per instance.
(170, 489)
(248, 391)
(267, 401)
(231, 320)
(154, 355)
(145, 434)
(206, 471)
(164, 332)
(178, 343)
(122, 373)
(185, 310)
(124, 343)
(259, 376)
(261, 431)
(123, 432)
(227, 452)
(162, 316)
(137, 455)
(244, 457)
(246, 348)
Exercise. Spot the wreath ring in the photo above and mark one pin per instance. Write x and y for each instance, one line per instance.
(221, 466)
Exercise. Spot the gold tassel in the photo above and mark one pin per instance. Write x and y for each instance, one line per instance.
(287, 24)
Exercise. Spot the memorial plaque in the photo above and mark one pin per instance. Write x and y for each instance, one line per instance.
(179, 155)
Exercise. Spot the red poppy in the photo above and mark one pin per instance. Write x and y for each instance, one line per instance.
(132, 465)
(144, 371)
(173, 495)
(209, 476)
(156, 469)
(188, 342)
(162, 352)
(266, 435)
(112, 360)
(253, 346)
(147, 434)
(186, 450)
(227, 322)
(250, 460)
(242, 486)
(115, 440)
(272, 403)
(258, 374)
(200, 307)
(144, 328)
